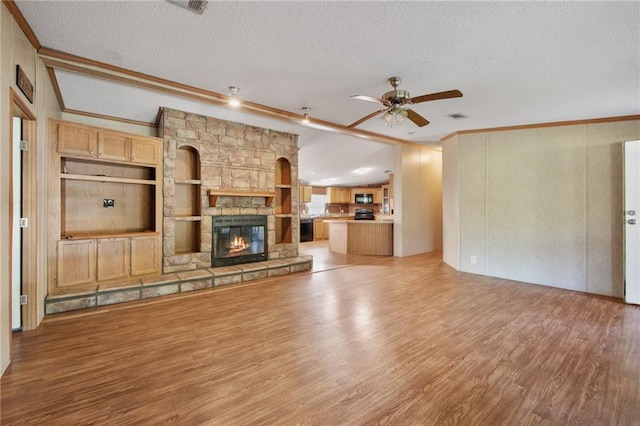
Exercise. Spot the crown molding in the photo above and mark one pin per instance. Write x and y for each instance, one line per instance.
(61, 60)
(541, 125)
(22, 23)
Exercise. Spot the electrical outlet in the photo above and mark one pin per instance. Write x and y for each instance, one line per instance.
(473, 260)
(108, 203)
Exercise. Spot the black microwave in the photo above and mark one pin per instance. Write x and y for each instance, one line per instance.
(364, 198)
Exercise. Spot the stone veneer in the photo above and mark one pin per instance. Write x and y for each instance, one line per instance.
(179, 282)
(233, 156)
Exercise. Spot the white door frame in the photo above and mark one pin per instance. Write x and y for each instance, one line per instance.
(632, 222)
(16, 235)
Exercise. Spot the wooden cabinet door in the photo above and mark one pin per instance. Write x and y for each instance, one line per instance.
(77, 140)
(305, 194)
(113, 146)
(325, 230)
(145, 151)
(113, 258)
(144, 255)
(76, 262)
(377, 195)
(345, 196)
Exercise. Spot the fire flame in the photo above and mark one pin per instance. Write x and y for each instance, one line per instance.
(237, 245)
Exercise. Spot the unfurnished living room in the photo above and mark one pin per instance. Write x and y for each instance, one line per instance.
(328, 213)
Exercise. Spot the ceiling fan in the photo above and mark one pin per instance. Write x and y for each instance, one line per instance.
(394, 100)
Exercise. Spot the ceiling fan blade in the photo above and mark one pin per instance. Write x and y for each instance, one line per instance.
(417, 119)
(436, 96)
(368, 98)
(365, 118)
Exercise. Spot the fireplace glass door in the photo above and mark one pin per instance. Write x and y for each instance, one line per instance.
(238, 239)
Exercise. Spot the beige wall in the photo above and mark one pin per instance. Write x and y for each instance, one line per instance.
(451, 218)
(539, 205)
(417, 192)
(16, 49)
(121, 126)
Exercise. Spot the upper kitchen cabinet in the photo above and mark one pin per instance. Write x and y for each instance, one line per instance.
(305, 194)
(339, 195)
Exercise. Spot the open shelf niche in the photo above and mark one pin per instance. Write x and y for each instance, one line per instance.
(282, 207)
(188, 209)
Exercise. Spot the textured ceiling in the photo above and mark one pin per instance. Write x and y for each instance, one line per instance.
(516, 62)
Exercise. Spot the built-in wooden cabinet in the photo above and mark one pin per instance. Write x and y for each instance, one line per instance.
(106, 205)
(78, 140)
(76, 262)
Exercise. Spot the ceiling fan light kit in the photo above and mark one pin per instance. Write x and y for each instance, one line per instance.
(305, 116)
(233, 99)
(393, 101)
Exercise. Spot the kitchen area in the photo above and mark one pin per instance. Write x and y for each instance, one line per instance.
(352, 220)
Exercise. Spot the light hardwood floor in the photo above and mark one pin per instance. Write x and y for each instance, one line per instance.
(361, 340)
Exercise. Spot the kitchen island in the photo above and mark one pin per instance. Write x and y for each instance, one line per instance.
(369, 237)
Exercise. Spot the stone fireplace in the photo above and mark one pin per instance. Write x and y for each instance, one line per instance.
(215, 170)
(239, 239)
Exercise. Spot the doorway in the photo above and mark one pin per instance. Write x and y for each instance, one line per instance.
(631, 219)
(16, 231)
(23, 203)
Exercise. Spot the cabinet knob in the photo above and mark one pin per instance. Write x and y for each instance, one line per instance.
(101, 154)
(90, 152)
(133, 158)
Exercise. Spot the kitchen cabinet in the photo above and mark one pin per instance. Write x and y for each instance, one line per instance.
(339, 195)
(320, 229)
(377, 195)
(385, 199)
(305, 194)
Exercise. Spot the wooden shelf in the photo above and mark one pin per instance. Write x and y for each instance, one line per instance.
(214, 194)
(188, 218)
(188, 181)
(106, 179)
(105, 235)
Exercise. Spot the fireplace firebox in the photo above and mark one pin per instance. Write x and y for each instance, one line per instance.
(239, 239)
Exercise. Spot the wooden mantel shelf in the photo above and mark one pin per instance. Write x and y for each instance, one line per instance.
(215, 193)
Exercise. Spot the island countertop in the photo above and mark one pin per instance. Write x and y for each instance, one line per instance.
(369, 237)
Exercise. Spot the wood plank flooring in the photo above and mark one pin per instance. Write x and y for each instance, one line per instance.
(362, 340)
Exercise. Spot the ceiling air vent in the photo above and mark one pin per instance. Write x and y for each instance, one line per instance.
(457, 116)
(197, 6)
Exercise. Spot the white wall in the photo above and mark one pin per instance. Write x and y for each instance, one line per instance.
(417, 193)
(540, 205)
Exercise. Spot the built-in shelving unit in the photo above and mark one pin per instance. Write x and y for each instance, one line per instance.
(106, 214)
(283, 201)
(188, 210)
(215, 193)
